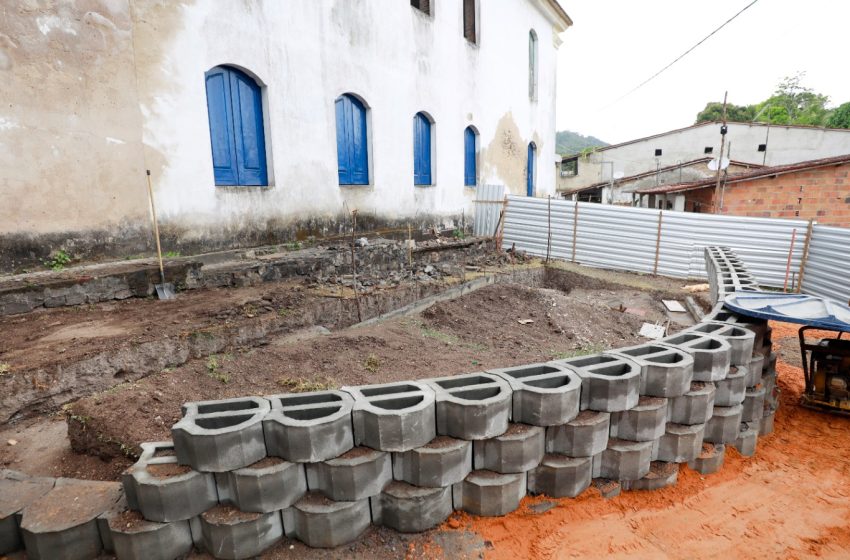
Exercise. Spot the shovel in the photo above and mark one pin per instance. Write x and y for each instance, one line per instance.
(164, 290)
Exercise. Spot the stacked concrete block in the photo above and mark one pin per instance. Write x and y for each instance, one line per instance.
(322, 523)
(411, 509)
(543, 394)
(710, 459)
(609, 383)
(560, 476)
(519, 449)
(723, 426)
(712, 355)
(741, 340)
(660, 475)
(747, 439)
(309, 427)
(732, 390)
(472, 406)
(353, 476)
(680, 443)
(269, 485)
(17, 491)
(643, 422)
(755, 369)
(441, 462)
(584, 436)
(625, 460)
(219, 436)
(489, 493)
(753, 404)
(132, 537)
(694, 407)
(393, 416)
(665, 371)
(231, 534)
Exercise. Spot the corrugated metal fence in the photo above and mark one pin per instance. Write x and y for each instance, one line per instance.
(827, 272)
(489, 200)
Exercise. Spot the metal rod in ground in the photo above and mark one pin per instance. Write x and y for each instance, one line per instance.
(788, 264)
(354, 265)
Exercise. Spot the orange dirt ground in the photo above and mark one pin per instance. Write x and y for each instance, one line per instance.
(791, 500)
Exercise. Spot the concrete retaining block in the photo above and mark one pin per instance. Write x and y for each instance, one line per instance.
(62, 523)
(644, 422)
(731, 391)
(472, 406)
(17, 491)
(220, 436)
(755, 369)
(231, 534)
(489, 494)
(625, 460)
(758, 326)
(712, 355)
(753, 404)
(770, 365)
(740, 339)
(393, 416)
(665, 371)
(710, 458)
(722, 427)
(680, 443)
(309, 427)
(163, 491)
(269, 485)
(322, 523)
(441, 462)
(411, 509)
(560, 476)
(660, 476)
(768, 380)
(543, 394)
(766, 424)
(694, 407)
(609, 383)
(584, 436)
(519, 449)
(747, 439)
(353, 476)
(135, 538)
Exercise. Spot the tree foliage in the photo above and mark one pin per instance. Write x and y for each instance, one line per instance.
(840, 118)
(568, 142)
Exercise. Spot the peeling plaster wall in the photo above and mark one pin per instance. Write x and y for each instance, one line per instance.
(100, 90)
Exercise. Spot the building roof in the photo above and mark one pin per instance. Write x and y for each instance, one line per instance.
(556, 7)
(749, 175)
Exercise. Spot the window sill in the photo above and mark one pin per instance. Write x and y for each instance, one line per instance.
(425, 186)
(357, 186)
(242, 187)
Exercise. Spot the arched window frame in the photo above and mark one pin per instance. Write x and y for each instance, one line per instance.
(470, 156)
(354, 140)
(532, 64)
(424, 156)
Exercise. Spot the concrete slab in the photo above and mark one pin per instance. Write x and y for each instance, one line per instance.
(665, 371)
(519, 449)
(17, 491)
(608, 383)
(731, 391)
(322, 523)
(393, 416)
(271, 484)
(353, 476)
(543, 394)
(309, 427)
(644, 422)
(231, 534)
(723, 425)
(411, 509)
(489, 494)
(222, 435)
(625, 460)
(584, 436)
(472, 406)
(712, 355)
(560, 476)
(660, 476)
(441, 462)
(753, 404)
(694, 407)
(680, 443)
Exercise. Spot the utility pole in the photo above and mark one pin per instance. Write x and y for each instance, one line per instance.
(717, 202)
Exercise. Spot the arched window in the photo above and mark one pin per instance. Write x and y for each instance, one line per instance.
(532, 65)
(422, 149)
(235, 108)
(352, 150)
(470, 167)
(469, 24)
(532, 155)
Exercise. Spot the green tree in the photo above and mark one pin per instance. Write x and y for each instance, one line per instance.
(840, 117)
(714, 112)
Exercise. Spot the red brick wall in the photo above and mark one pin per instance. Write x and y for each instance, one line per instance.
(822, 194)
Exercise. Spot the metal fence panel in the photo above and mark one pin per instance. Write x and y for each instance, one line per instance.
(617, 237)
(828, 266)
(487, 205)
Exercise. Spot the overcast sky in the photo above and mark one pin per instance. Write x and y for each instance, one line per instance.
(616, 44)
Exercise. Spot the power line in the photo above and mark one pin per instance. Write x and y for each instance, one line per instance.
(683, 55)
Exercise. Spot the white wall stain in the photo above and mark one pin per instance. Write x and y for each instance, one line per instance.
(46, 24)
(110, 140)
(8, 124)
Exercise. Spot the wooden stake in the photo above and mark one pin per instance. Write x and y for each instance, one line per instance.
(658, 242)
(805, 255)
(354, 265)
(409, 245)
(575, 229)
(788, 264)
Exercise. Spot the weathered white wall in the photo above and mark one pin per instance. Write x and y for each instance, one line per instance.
(785, 144)
(144, 63)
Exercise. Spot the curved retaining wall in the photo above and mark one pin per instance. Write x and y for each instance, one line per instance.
(321, 467)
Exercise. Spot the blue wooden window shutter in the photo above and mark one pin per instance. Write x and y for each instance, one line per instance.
(235, 108)
(470, 174)
(351, 148)
(532, 149)
(421, 150)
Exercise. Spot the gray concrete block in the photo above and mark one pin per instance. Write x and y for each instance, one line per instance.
(731, 391)
(608, 383)
(519, 449)
(584, 436)
(560, 476)
(665, 371)
(220, 436)
(269, 485)
(712, 355)
(754, 371)
(393, 416)
(758, 326)
(626, 460)
(680, 443)
(694, 407)
(135, 538)
(441, 462)
(766, 425)
(740, 339)
(644, 422)
(753, 404)
(747, 439)
(768, 380)
(411, 509)
(770, 365)
(472, 406)
(543, 394)
(231, 534)
(62, 523)
(772, 399)
(489, 494)
(355, 475)
(309, 427)
(607, 488)
(164, 491)
(660, 476)
(17, 491)
(118, 508)
(710, 458)
(322, 523)
(722, 427)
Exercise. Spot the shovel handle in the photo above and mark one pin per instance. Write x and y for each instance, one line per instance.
(155, 226)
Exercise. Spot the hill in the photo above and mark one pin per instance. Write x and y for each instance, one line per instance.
(569, 142)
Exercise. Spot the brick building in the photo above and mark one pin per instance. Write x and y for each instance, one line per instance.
(818, 189)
